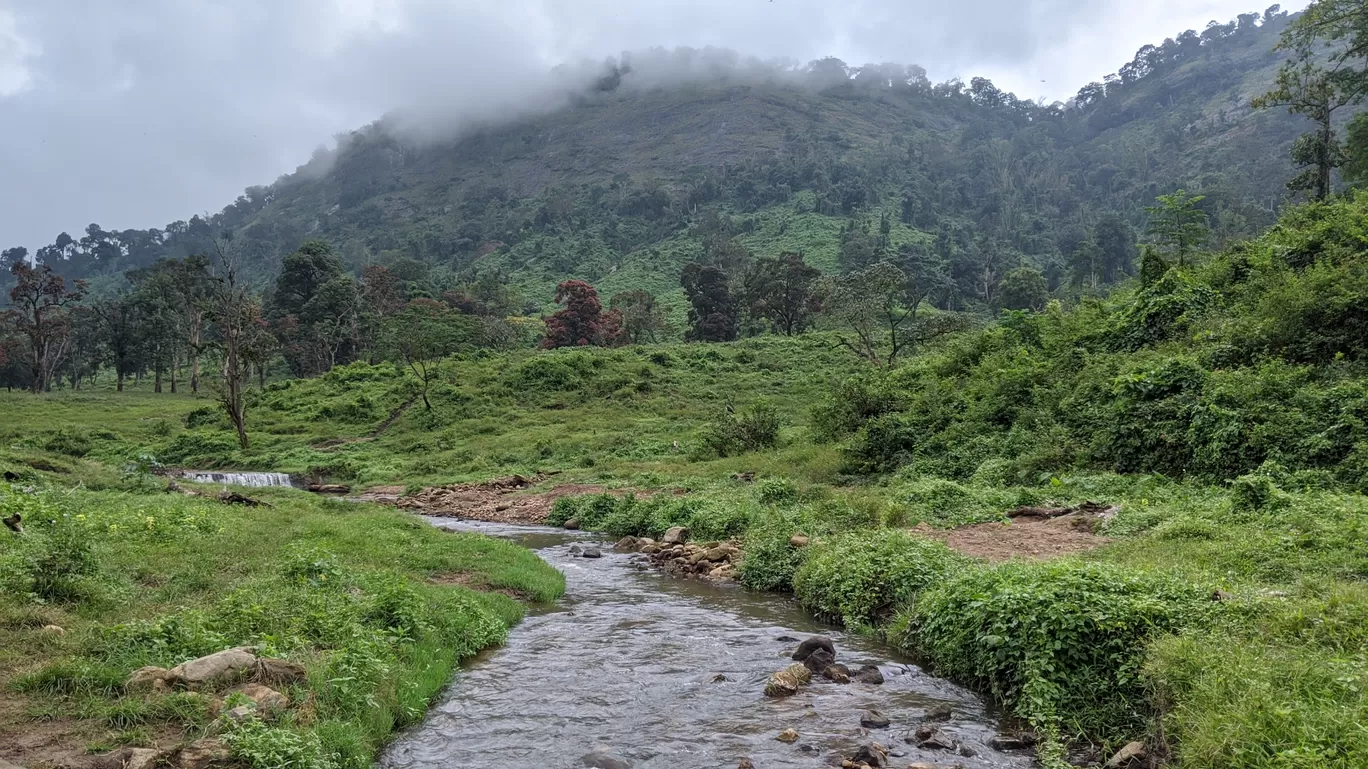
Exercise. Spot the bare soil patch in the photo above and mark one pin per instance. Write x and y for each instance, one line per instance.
(1033, 533)
(60, 742)
(467, 580)
(503, 500)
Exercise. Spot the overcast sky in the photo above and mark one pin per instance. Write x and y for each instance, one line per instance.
(135, 113)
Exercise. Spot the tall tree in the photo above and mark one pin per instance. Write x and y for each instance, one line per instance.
(40, 302)
(868, 304)
(1307, 89)
(581, 320)
(712, 311)
(1024, 289)
(241, 335)
(783, 292)
(424, 334)
(123, 336)
(1177, 225)
(642, 316)
(1115, 240)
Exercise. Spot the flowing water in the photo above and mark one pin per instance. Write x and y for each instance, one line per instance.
(624, 664)
(234, 478)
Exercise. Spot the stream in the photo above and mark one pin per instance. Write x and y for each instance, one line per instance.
(624, 665)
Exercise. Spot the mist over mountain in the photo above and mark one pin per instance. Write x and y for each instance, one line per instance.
(623, 170)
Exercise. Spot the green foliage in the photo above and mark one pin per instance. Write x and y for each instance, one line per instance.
(1056, 641)
(269, 747)
(752, 429)
(864, 577)
(882, 445)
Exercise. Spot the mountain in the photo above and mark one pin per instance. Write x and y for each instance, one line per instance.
(843, 164)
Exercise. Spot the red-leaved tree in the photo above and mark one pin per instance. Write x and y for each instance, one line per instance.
(581, 320)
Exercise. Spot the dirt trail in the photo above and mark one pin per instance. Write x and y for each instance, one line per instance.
(1033, 533)
(504, 500)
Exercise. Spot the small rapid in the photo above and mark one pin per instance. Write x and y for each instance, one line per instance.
(235, 478)
(625, 665)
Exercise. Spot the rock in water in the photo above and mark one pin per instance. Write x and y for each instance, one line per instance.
(873, 719)
(676, 535)
(575, 549)
(931, 738)
(837, 673)
(873, 754)
(601, 760)
(818, 661)
(745, 764)
(591, 552)
(571, 524)
(788, 681)
(812, 644)
(627, 544)
(868, 674)
(788, 735)
(1132, 754)
(939, 713)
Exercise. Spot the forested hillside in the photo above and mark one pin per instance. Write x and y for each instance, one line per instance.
(843, 164)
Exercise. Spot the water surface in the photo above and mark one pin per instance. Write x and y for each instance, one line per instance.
(625, 663)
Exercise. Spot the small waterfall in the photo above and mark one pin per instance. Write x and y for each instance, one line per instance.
(254, 480)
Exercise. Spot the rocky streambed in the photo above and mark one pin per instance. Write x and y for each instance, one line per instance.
(636, 668)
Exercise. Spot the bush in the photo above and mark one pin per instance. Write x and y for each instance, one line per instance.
(199, 448)
(207, 416)
(754, 429)
(865, 576)
(72, 444)
(770, 561)
(853, 403)
(270, 747)
(1053, 638)
(884, 444)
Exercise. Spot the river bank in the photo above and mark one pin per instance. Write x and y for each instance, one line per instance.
(372, 609)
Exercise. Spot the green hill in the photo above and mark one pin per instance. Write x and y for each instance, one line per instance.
(630, 182)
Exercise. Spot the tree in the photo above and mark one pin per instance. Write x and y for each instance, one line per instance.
(242, 338)
(1177, 225)
(122, 331)
(423, 334)
(868, 303)
(315, 308)
(581, 320)
(1024, 289)
(174, 292)
(1115, 240)
(1307, 89)
(40, 301)
(642, 316)
(783, 292)
(712, 312)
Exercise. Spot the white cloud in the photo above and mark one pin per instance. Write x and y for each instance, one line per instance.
(16, 53)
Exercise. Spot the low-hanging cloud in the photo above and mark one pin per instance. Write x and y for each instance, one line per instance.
(136, 114)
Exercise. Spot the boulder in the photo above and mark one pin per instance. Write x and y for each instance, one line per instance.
(837, 673)
(719, 678)
(54, 630)
(146, 679)
(788, 681)
(575, 549)
(745, 764)
(591, 552)
(1019, 741)
(205, 754)
(123, 758)
(226, 667)
(265, 697)
(651, 549)
(873, 754)
(601, 760)
(812, 644)
(717, 554)
(799, 540)
(1130, 755)
(931, 738)
(3, 763)
(676, 535)
(788, 735)
(724, 572)
(274, 671)
(571, 524)
(869, 674)
(873, 719)
(334, 488)
(627, 544)
(819, 660)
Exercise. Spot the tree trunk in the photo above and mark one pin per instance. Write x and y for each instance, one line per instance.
(119, 378)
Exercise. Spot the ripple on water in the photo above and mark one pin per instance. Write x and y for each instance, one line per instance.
(625, 664)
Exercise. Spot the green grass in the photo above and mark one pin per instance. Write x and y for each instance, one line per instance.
(138, 577)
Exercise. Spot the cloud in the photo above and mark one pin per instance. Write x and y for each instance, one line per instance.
(136, 114)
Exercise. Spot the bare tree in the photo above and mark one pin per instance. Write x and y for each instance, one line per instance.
(241, 335)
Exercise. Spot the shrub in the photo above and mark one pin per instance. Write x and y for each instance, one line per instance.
(753, 429)
(770, 561)
(1053, 638)
(882, 445)
(199, 448)
(866, 576)
(206, 416)
(72, 444)
(270, 747)
(777, 491)
(853, 403)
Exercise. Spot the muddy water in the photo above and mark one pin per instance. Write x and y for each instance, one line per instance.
(624, 664)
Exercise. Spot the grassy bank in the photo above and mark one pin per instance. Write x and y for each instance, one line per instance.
(364, 598)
